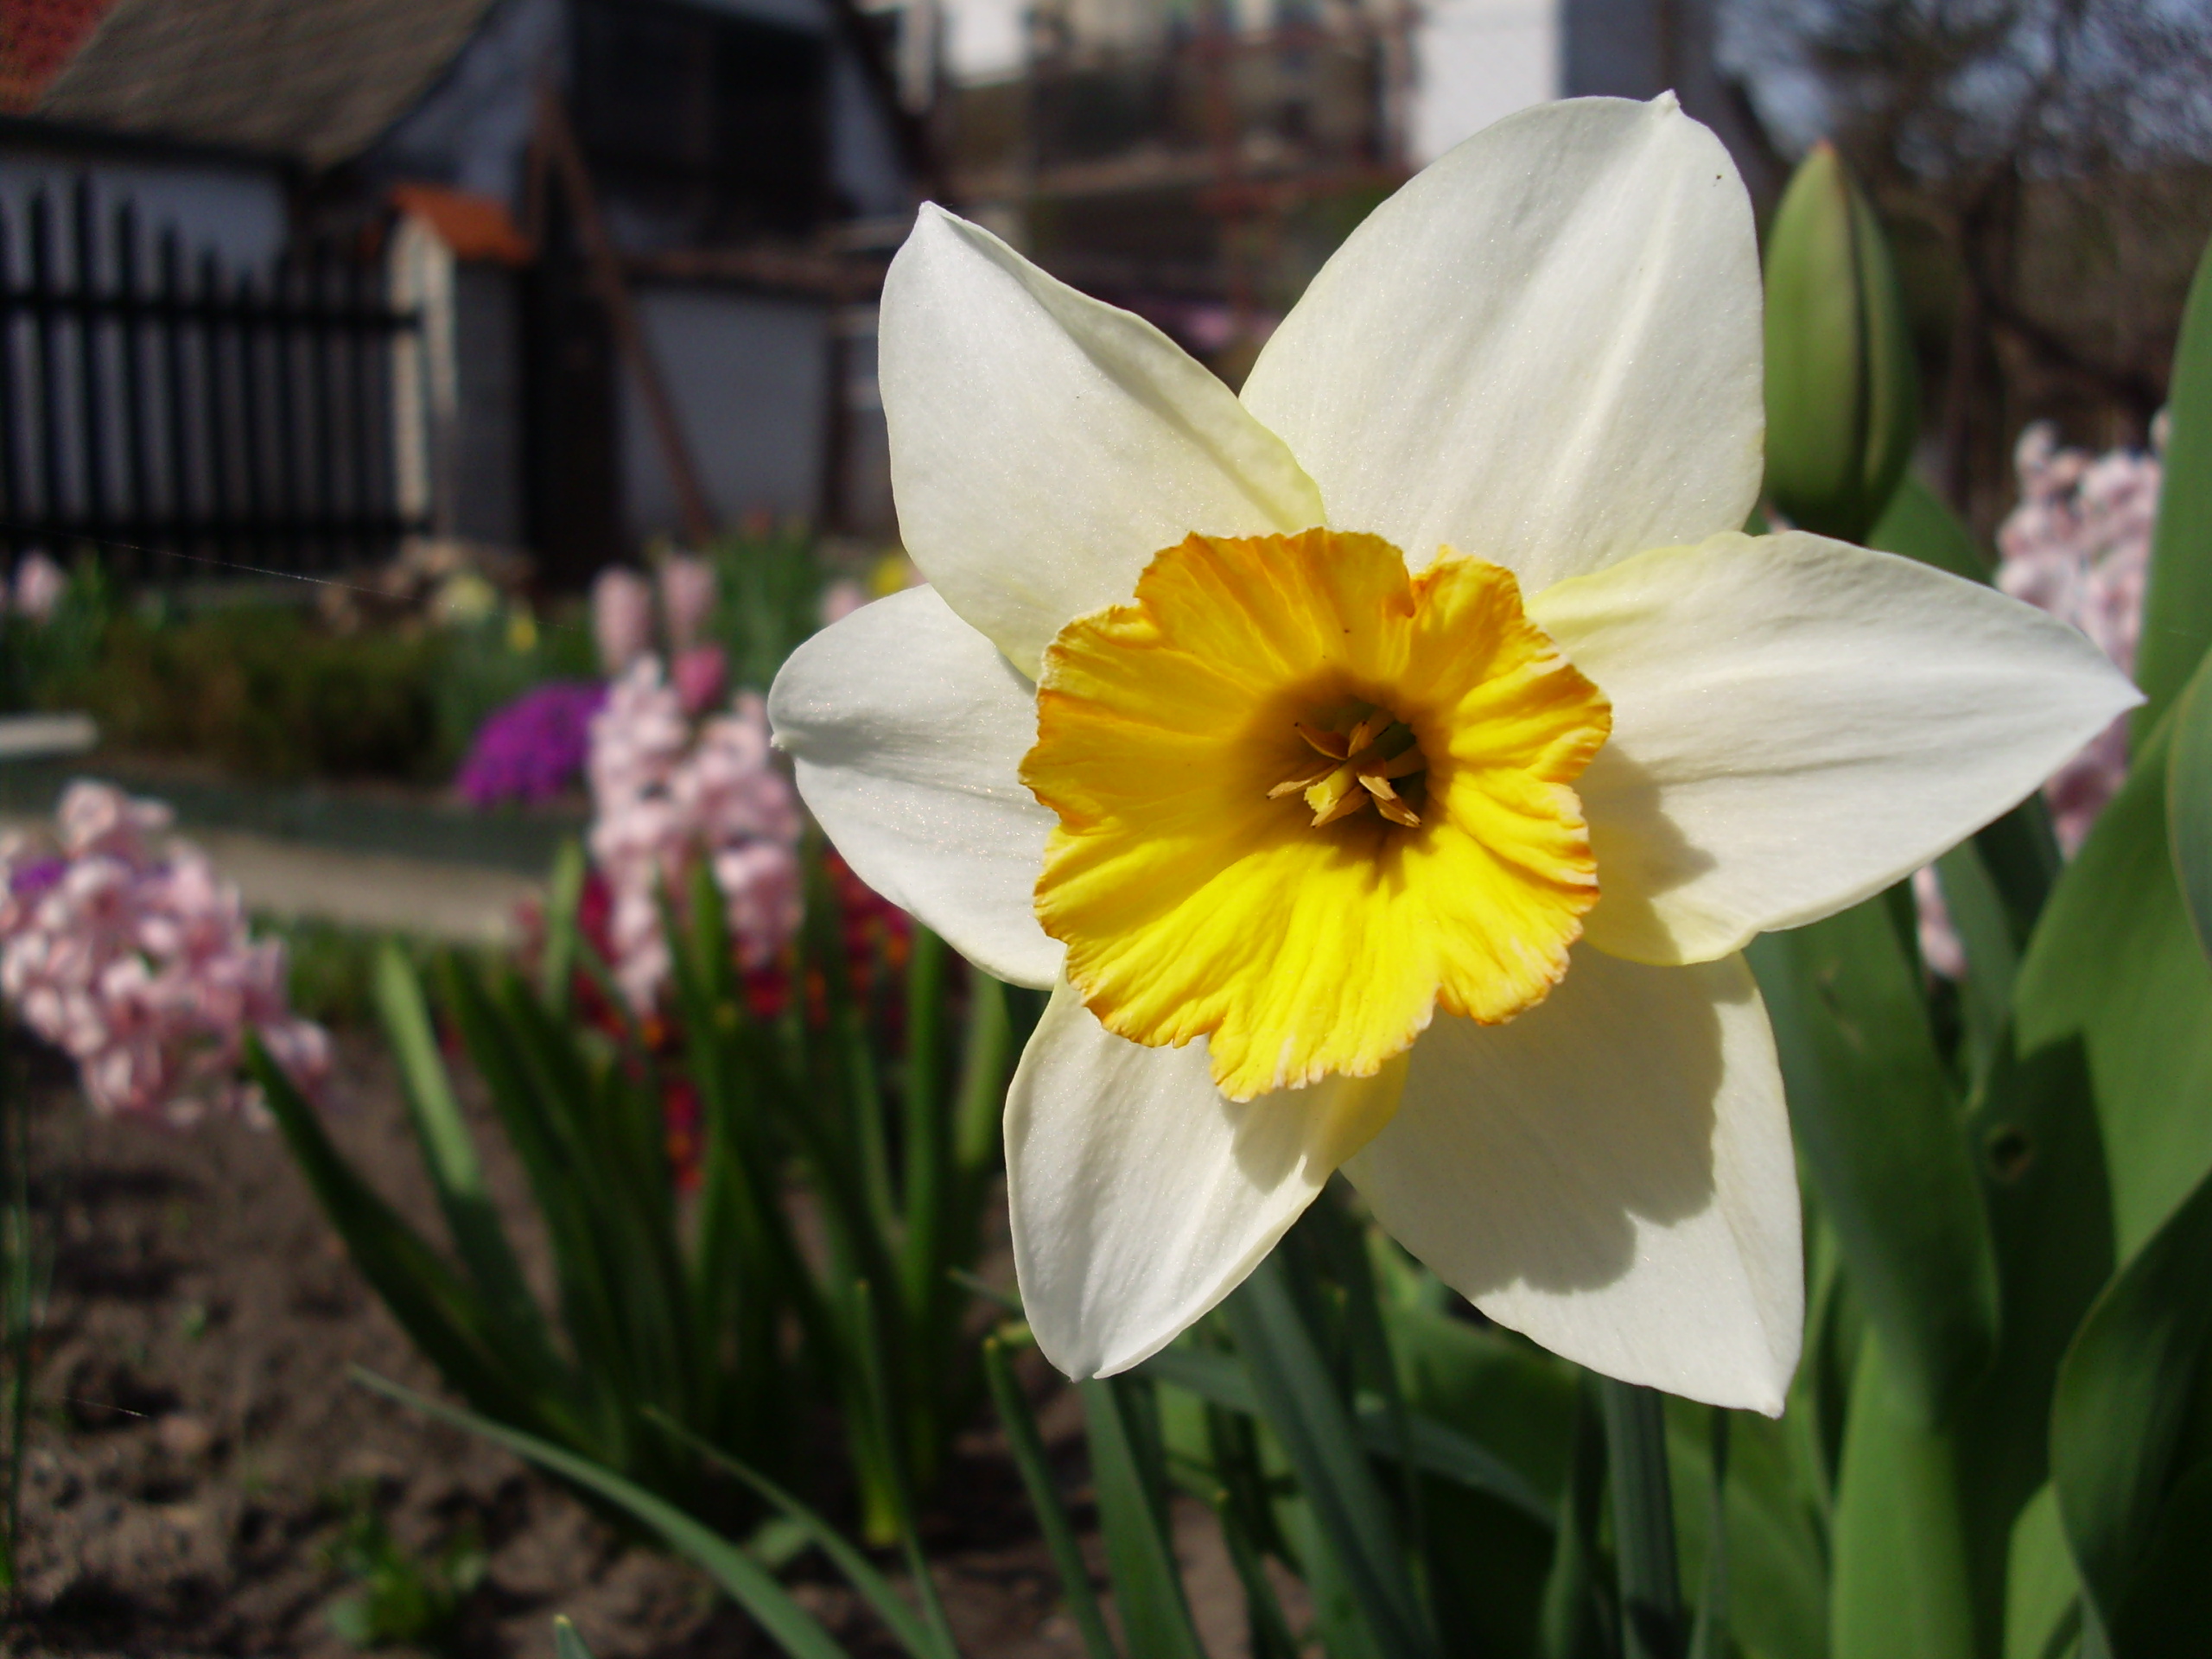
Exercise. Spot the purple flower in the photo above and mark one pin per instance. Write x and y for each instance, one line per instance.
(534, 747)
(36, 876)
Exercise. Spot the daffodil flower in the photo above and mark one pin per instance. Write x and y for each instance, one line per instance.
(1385, 768)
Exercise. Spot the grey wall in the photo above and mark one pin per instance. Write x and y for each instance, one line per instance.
(237, 212)
(472, 131)
(749, 376)
(1612, 49)
(1638, 48)
(486, 455)
(863, 155)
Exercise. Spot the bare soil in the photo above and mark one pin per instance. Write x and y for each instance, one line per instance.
(195, 1433)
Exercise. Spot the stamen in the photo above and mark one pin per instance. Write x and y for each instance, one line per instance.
(1304, 780)
(1330, 743)
(1378, 748)
(1344, 798)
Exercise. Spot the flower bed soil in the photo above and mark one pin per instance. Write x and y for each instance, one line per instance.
(195, 1429)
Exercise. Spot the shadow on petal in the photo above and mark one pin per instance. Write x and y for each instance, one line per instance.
(1642, 853)
(1527, 1155)
(1313, 1131)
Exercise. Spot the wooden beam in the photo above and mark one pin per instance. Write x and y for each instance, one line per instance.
(559, 139)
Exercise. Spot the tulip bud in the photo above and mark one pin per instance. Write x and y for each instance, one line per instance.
(699, 675)
(621, 617)
(1842, 389)
(687, 599)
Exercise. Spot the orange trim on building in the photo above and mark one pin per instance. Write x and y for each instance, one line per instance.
(476, 228)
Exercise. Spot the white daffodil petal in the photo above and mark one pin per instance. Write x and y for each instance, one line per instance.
(1611, 1174)
(1044, 445)
(1543, 351)
(1797, 723)
(907, 730)
(1140, 1196)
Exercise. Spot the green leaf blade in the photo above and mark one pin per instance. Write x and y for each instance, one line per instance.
(2115, 967)
(1132, 1514)
(1875, 1119)
(2188, 801)
(2125, 1392)
(2177, 603)
(449, 1156)
(1028, 1450)
(1299, 1401)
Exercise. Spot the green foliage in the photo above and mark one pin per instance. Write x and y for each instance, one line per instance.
(331, 967)
(703, 1319)
(1878, 1126)
(1276, 1451)
(401, 1599)
(768, 599)
(2126, 1388)
(260, 690)
(1028, 1448)
(1302, 1403)
(2177, 605)
(1842, 388)
(2115, 967)
(2087, 1028)
(2189, 802)
(1917, 525)
(477, 667)
(39, 659)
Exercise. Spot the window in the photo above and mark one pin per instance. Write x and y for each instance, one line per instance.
(716, 126)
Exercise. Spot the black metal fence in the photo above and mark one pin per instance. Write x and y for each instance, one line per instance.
(154, 405)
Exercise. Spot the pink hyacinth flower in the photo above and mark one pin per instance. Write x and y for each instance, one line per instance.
(134, 959)
(40, 585)
(667, 797)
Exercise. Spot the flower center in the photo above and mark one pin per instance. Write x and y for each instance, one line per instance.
(1371, 759)
(1307, 798)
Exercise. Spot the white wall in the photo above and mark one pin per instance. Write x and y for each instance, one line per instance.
(984, 39)
(1477, 60)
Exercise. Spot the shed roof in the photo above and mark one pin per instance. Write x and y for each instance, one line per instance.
(317, 82)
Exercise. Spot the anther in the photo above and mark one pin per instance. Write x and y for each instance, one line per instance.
(1364, 760)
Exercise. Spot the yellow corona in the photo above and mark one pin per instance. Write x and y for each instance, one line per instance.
(1305, 797)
